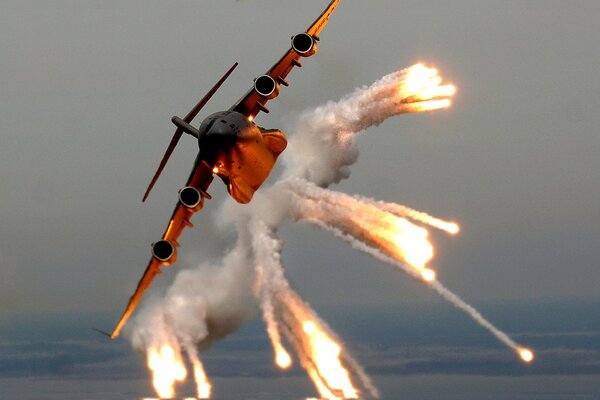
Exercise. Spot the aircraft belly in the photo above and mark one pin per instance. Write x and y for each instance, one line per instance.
(246, 165)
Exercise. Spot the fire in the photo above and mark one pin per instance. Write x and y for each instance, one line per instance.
(167, 369)
(429, 275)
(526, 355)
(411, 241)
(283, 359)
(423, 90)
(452, 228)
(326, 357)
(203, 386)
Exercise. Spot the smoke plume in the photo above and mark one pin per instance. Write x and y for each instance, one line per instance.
(207, 303)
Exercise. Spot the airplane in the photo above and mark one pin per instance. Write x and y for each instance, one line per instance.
(232, 147)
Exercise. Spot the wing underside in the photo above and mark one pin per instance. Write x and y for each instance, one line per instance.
(252, 103)
(249, 105)
(200, 179)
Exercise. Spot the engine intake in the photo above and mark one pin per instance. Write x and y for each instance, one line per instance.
(163, 250)
(190, 197)
(304, 44)
(266, 87)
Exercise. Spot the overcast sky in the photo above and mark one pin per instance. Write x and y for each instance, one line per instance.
(87, 90)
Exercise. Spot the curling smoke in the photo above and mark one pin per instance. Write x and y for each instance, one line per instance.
(206, 304)
(334, 372)
(365, 226)
(201, 306)
(323, 147)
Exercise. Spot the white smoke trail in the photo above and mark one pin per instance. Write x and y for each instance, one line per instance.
(311, 191)
(270, 280)
(476, 315)
(418, 216)
(201, 306)
(206, 304)
(315, 207)
(219, 298)
(324, 146)
(289, 313)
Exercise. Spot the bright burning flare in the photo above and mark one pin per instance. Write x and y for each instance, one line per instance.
(526, 355)
(283, 359)
(203, 385)
(326, 356)
(167, 369)
(412, 243)
(423, 83)
(422, 90)
(453, 228)
(429, 275)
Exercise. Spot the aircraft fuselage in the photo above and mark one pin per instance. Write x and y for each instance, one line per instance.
(241, 153)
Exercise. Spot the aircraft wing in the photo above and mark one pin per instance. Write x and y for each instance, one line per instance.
(252, 103)
(200, 179)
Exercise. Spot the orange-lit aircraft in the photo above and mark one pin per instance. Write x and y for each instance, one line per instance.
(232, 147)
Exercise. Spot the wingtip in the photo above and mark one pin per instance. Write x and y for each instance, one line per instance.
(104, 333)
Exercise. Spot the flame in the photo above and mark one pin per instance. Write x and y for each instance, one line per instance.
(526, 355)
(375, 224)
(422, 90)
(411, 241)
(429, 275)
(203, 386)
(167, 369)
(326, 357)
(452, 228)
(282, 358)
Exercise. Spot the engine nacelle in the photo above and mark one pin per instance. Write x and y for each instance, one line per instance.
(164, 251)
(191, 198)
(266, 86)
(304, 44)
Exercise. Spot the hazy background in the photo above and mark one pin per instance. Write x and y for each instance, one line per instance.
(87, 89)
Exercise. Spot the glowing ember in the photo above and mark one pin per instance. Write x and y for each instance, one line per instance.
(283, 359)
(309, 327)
(167, 369)
(453, 228)
(215, 170)
(429, 275)
(526, 355)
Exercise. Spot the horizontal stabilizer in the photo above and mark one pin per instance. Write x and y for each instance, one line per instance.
(188, 118)
(184, 126)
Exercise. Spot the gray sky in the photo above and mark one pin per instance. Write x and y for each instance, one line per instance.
(87, 89)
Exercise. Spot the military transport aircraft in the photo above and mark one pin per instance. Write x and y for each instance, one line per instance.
(232, 147)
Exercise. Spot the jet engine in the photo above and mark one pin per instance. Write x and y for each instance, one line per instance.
(304, 44)
(266, 86)
(164, 251)
(191, 198)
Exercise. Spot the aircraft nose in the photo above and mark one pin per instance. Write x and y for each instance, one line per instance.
(220, 135)
(223, 128)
